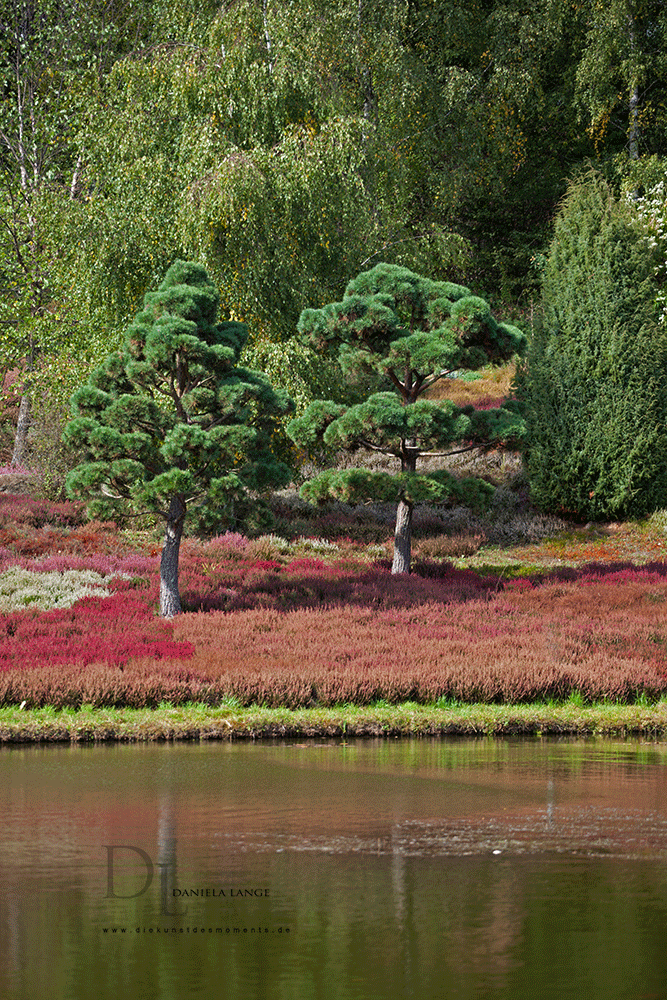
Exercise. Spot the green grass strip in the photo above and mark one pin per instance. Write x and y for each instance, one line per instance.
(230, 721)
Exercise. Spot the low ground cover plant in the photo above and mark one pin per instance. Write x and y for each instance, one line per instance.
(21, 588)
(309, 630)
(98, 630)
(309, 621)
(20, 511)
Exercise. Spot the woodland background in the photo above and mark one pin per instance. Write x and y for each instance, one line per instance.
(288, 146)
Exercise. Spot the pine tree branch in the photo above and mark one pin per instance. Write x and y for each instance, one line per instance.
(446, 454)
(435, 378)
(374, 447)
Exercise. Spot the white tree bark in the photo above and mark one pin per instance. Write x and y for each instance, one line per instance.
(21, 436)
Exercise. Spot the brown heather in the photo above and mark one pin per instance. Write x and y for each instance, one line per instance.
(601, 637)
(282, 627)
(514, 647)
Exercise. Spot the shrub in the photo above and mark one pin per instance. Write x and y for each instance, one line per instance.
(445, 547)
(268, 547)
(595, 385)
(22, 512)
(20, 588)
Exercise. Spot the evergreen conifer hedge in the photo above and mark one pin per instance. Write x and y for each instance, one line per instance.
(595, 383)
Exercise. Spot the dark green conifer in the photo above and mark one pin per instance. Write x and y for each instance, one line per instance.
(595, 385)
(169, 422)
(406, 332)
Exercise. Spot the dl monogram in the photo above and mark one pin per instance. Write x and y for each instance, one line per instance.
(148, 879)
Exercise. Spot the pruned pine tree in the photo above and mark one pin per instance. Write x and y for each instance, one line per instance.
(409, 332)
(169, 422)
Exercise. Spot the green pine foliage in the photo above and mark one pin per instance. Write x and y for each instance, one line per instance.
(403, 332)
(595, 385)
(170, 423)
(305, 376)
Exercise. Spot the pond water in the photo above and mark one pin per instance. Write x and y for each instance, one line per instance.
(452, 868)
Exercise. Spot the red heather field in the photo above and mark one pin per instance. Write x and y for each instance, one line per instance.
(295, 630)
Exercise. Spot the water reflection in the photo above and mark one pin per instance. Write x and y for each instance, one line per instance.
(374, 869)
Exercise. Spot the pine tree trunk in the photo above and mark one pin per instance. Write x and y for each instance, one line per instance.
(402, 538)
(403, 529)
(170, 601)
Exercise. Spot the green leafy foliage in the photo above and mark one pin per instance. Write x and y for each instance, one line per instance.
(595, 387)
(248, 148)
(407, 332)
(287, 147)
(305, 376)
(53, 55)
(621, 74)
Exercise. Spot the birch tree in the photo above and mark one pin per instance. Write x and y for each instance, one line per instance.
(51, 53)
(622, 73)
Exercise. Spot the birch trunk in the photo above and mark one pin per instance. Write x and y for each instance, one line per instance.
(21, 436)
(633, 123)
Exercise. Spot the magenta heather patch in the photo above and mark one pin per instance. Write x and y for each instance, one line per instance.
(17, 470)
(95, 630)
(231, 541)
(21, 509)
(522, 583)
(489, 402)
(617, 572)
(306, 565)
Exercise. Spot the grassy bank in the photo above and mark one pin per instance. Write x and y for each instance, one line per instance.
(231, 722)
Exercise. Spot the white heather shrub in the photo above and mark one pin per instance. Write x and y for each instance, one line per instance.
(316, 545)
(21, 588)
(268, 547)
(658, 519)
(651, 213)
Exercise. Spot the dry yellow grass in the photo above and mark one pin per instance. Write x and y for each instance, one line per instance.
(495, 383)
